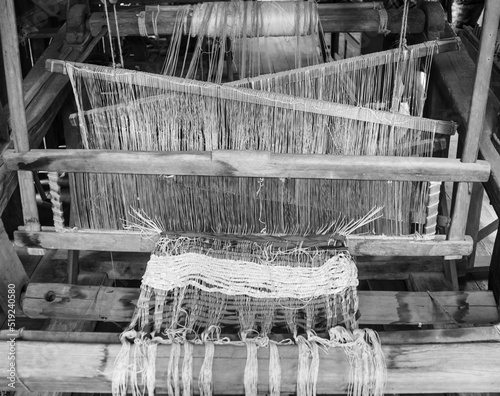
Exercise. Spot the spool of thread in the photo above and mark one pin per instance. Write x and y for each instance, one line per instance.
(254, 19)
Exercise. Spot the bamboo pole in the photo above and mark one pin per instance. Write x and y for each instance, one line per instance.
(13, 78)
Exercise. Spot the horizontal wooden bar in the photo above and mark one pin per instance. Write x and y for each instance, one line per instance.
(334, 18)
(131, 266)
(261, 98)
(129, 241)
(420, 336)
(117, 304)
(246, 163)
(411, 368)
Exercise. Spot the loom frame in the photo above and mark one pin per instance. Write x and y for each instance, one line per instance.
(465, 358)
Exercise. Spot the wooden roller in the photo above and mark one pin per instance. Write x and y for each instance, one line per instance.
(333, 17)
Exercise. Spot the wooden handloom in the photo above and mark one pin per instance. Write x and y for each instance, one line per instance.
(255, 164)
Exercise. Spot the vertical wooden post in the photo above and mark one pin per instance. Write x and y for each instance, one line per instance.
(12, 273)
(475, 124)
(476, 115)
(474, 218)
(13, 78)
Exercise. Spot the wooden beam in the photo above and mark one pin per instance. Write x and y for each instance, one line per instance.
(334, 18)
(415, 337)
(12, 273)
(128, 241)
(264, 98)
(13, 79)
(117, 304)
(451, 366)
(131, 266)
(246, 163)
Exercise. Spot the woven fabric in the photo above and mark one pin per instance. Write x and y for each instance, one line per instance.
(243, 278)
(192, 285)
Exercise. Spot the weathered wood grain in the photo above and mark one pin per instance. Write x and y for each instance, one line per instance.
(411, 368)
(131, 266)
(127, 241)
(333, 18)
(13, 82)
(115, 304)
(246, 163)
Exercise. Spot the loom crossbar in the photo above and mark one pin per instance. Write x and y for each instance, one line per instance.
(453, 365)
(117, 304)
(333, 18)
(129, 241)
(271, 99)
(250, 164)
(358, 62)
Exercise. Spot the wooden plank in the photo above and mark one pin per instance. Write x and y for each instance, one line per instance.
(246, 163)
(131, 266)
(264, 98)
(11, 273)
(13, 80)
(415, 337)
(127, 241)
(115, 304)
(334, 18)
(487, 230)
(422, 368)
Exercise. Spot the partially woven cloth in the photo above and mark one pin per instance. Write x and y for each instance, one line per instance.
(213, 292)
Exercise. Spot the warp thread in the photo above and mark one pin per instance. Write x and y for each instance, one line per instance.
(274, 370)
(251, 368)
(173, 386)
(205, 379)
(187, 370)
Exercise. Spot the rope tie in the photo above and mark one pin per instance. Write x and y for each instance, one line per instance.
(383, 21)
(141, 21)
(55, 199)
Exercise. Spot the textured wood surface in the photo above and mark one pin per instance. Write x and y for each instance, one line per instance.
(452, 366)
(246, 163)
(333, 19)
(115, 304)
(126, 241)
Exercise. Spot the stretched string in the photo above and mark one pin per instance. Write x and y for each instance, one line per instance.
(404, 24)
(108, 23)
(118, 36)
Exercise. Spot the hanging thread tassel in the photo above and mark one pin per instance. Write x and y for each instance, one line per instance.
(187, 370)
(303, 366)
(173, 386)
(205, 379)
(120, 376)
(251, 369)
(274, 370)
